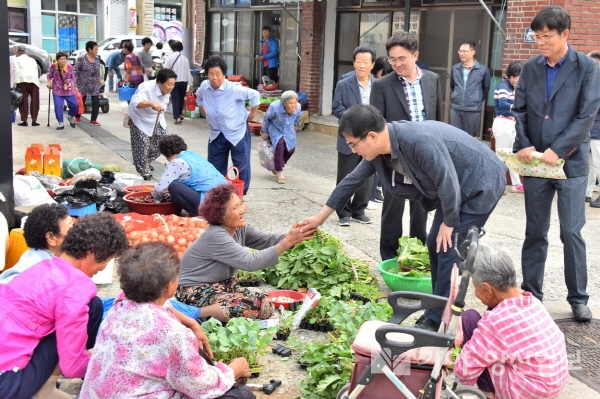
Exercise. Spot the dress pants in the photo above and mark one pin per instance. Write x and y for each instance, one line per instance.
(467, 121)
(218, 155)
(571, 216)
(357, 204)
(178, 99)
(442, 262)
(29, 104)
(391, 224)
(28, 380)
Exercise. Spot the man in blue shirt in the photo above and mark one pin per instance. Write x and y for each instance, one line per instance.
(113, 62)
(554, 117)
(269, 55)
(224, 105)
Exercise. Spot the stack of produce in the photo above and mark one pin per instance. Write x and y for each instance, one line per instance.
(178, 231)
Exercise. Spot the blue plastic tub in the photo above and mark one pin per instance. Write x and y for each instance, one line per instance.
(85, 210)
(126, 93)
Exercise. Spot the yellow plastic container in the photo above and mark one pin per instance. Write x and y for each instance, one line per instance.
(16, 247)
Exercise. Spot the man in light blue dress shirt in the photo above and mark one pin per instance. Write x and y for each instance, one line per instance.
(224, 105)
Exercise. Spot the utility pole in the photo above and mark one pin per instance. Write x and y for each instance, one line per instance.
(6, 155)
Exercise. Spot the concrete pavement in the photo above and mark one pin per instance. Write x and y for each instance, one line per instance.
(310, 177)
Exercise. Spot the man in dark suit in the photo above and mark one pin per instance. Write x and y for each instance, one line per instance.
(353, 90)
(556, 101)
(411, 94)
(463, 190)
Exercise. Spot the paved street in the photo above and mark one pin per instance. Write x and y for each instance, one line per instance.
(310, 178)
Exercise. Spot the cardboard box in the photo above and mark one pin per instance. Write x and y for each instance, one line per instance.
(195, 114)
(53, 160)
(34, 156)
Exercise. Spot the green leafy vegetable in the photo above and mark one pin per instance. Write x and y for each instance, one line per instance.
(412, 254)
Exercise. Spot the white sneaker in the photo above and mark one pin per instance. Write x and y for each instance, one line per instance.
(61, 126)
(372, 205)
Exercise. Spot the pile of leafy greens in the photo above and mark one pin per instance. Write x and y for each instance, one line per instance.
(330, 365)
(413, 256)
(320, 263)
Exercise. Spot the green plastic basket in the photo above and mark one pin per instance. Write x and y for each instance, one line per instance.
(403, 283)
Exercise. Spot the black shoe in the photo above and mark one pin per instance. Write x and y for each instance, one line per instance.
(23, 123)
(34, 123)
(596, 203)
(72, 121)
(151, 168)
(362, 219)
(581, 312)
(425, 323)
(147, 176)
(587, 199)
(344, 221)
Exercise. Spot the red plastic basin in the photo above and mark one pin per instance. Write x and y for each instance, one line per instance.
(295, 295)
(150, 208)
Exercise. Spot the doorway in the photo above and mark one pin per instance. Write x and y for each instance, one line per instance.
(441, 32)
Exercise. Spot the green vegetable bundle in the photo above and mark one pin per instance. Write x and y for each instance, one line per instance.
(330, 365)
(414, 256)
(320, 263)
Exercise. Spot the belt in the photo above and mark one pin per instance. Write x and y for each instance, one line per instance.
(510, 118)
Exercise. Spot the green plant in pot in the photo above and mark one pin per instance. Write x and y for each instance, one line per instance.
(241, 337)
(286, 323)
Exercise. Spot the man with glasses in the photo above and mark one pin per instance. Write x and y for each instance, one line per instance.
(470, 83)
(464, 190)
(556, 101)
(354, 90)
(411, 94)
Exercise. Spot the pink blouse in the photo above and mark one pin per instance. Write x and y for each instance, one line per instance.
(51, 296)
(63, 83)
(143, 351)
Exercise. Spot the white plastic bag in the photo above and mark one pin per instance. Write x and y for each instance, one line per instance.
(29, 191)
(89, 174)
(123, 180)
(266, 155)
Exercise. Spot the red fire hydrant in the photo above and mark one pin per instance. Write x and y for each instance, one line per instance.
(190, 100)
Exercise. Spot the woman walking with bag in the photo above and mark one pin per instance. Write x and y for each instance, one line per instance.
(89, 79)
(148, 124)
(25, 76)
(280, 124)
(181, 65)
(61, 80)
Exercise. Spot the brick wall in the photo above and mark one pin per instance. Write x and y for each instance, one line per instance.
(311, 50)
(199, 36)
(584, 35)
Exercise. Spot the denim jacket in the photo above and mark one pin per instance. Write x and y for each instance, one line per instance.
(469, 96)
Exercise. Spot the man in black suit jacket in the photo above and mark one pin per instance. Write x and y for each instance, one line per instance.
(410, 94)
(353, 90)
(556, 101)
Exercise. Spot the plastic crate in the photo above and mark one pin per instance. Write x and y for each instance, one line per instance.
(403, 283)
(273, 93)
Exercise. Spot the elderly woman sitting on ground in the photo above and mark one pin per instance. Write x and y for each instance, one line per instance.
(516, 350)
(50, 314)
(279, 125)
(208, 267)
(145, 348)
(44, 231)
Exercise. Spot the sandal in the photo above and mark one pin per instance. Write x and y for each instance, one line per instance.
(147, 176)
(281, 181)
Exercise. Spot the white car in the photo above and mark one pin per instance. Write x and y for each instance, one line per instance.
(107, 46)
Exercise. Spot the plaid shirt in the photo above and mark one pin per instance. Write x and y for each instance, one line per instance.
(134, 68)
(521, 346)
(414, 97)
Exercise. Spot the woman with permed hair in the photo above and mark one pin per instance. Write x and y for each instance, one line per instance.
(208, 267)
(51, 314)
(139, 331)
(188, 176)
(44, 231)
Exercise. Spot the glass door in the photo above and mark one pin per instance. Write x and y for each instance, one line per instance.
(289, 48)
(441, 32)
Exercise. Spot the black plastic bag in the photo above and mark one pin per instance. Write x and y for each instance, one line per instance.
(16, 98)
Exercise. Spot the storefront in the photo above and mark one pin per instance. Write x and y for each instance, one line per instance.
(440, 26)
(68, 24)
(234, 31)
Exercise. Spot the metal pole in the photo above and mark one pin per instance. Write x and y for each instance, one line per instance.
(407, 16)
(6, 156)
